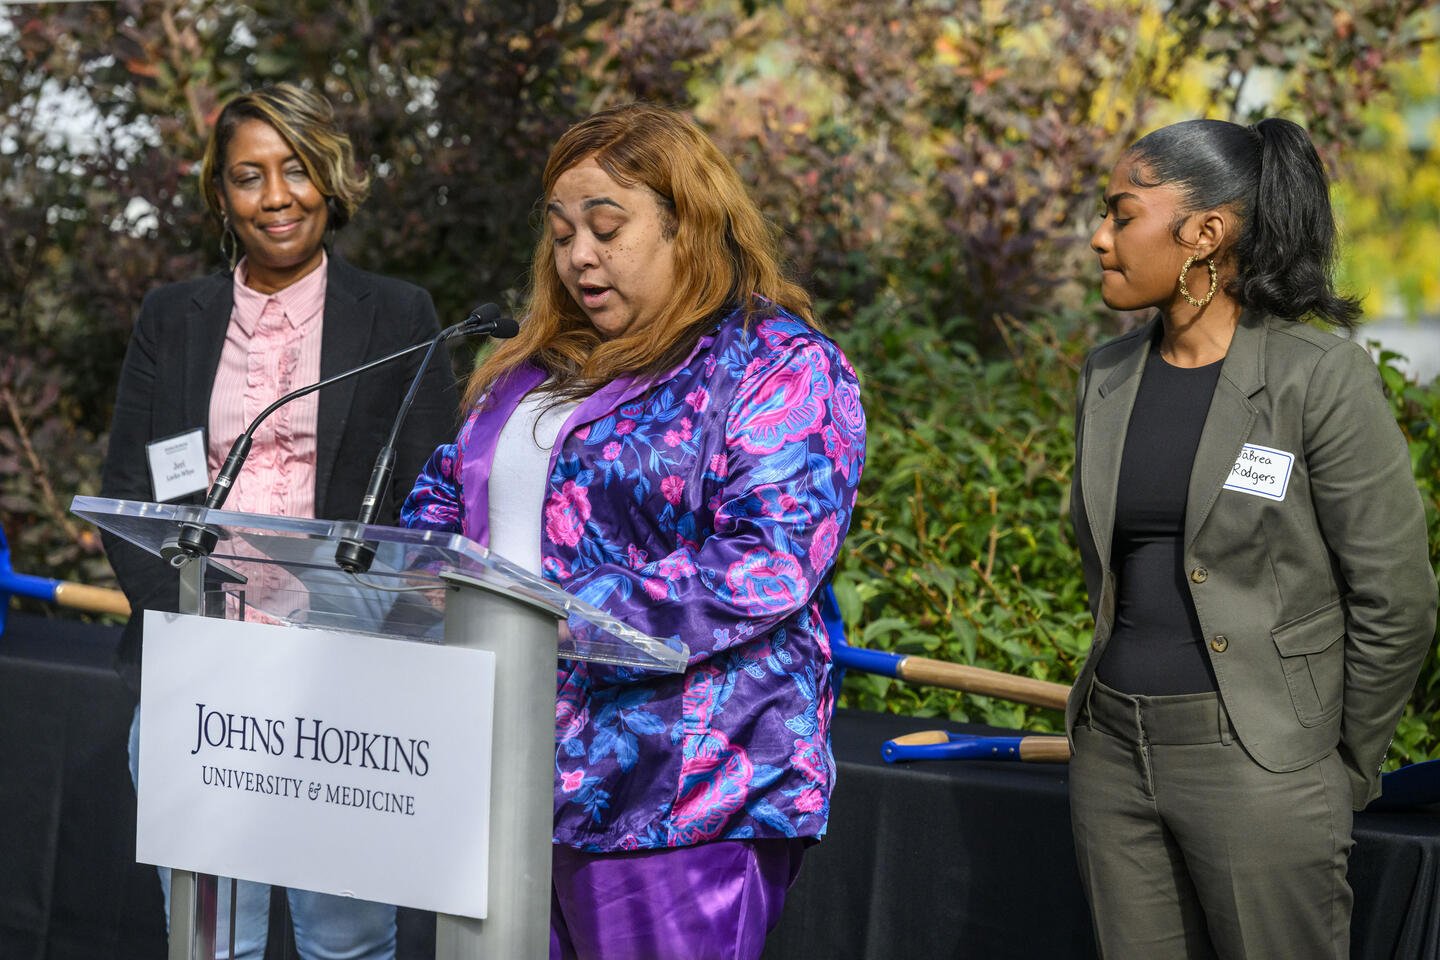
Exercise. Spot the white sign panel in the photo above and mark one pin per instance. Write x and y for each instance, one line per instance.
(317, 759)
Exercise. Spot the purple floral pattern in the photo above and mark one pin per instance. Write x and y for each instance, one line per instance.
(437, 505)
(566, 513)
(766, 580)
(708, 506)
(787, 405)
(826, 544)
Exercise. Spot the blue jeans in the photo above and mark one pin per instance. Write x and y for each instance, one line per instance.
(327, 927)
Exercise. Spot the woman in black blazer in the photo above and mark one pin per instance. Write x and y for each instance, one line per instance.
(1255, 552)
(278, 175)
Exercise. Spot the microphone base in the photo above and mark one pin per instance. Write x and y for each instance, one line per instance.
(355, 556)
(193, 541)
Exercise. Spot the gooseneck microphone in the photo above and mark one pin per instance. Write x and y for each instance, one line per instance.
(353, 553)
(194, 539)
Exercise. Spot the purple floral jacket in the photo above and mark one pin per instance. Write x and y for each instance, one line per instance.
(707, 505)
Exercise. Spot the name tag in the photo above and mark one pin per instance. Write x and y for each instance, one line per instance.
(177, 465)
(1261, 472)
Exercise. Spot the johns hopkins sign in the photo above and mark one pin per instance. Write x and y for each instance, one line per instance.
(315, 759)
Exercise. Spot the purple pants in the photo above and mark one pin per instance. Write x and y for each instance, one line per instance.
(712, 901)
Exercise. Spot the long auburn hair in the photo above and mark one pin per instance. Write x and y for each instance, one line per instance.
(726, 254)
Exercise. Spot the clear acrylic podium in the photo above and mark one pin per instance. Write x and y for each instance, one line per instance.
(423, 586)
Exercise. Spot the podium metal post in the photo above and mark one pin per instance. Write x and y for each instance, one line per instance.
(193, 897)
(522, 772)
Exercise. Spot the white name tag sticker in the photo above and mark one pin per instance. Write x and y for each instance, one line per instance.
(177, 465)
(1261, 472)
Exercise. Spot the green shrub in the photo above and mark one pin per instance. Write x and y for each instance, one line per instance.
(960, 548)
(1417, 410)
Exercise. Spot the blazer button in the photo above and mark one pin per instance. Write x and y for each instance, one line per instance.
(1219, 644)
(1199, 574)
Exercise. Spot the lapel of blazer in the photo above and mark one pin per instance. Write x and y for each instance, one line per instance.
(1228, 423)
(348, 322)
(1107, 418)
(206, 319)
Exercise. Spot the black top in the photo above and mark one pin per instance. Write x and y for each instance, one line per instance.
(1156, 647)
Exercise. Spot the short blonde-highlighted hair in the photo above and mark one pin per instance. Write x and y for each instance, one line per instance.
(726, 254)
(306, 121)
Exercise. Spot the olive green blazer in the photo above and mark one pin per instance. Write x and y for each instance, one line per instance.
(1305, 544)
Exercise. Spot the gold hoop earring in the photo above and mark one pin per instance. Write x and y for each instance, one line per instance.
(229, 244)
(1185, 290)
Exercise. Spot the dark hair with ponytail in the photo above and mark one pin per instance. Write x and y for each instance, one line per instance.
(1270, 175)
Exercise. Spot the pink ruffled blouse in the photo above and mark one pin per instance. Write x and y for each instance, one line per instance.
(271, 347)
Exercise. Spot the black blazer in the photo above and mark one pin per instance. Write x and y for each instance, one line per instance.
(165, 386)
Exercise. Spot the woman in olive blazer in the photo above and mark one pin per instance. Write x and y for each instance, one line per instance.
(1212, 811)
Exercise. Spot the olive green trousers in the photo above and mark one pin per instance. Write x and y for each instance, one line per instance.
(1190, 849)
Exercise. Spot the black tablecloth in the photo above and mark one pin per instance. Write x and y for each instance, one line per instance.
(975, 859)
(939, 859)
(70, 888)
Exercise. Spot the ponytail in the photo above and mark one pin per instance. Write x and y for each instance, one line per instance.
(1286, 249)
(1272, 178)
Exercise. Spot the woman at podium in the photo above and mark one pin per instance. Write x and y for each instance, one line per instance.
(208, 355)
(672, 440)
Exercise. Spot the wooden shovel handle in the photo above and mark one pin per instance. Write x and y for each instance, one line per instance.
(923, 737)
(987, 683)
(1045, 750)
(94, 599)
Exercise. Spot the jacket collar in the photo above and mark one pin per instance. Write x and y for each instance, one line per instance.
(1228, 422)
(301, 302)
(207, 318)
(1244, 364)
(349, 323)
(1102, 433)
(500, 404)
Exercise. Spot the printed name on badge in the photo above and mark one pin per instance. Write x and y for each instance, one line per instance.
(1261, 472)
(177, 465)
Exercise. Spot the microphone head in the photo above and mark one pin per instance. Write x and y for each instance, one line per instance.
(485, 313)
(485, 319)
